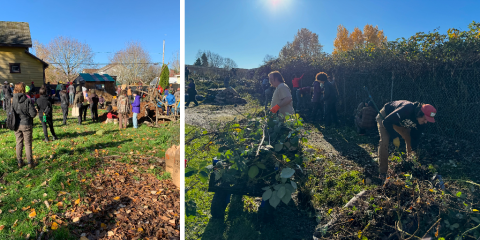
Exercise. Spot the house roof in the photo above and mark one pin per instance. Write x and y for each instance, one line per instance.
(88, 77)
(89, 70)
(45, 65)
(15, 34)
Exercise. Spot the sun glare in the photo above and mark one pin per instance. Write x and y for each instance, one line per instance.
(277, 5)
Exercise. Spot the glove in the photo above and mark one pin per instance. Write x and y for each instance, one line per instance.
(275, 109)
(396, 142)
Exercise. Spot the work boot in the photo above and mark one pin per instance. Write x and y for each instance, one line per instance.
(21, 164)
(31, 165)
(54, 138)
(46, 139)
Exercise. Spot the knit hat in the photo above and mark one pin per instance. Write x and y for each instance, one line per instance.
(27, 89)
(429, 112)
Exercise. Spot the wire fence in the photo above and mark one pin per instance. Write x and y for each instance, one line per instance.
(454, 91)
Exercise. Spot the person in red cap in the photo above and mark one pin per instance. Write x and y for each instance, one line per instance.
(401, 119)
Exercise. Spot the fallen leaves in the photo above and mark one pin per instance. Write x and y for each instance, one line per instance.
(140, 205)
(32, 214)
(54, 226)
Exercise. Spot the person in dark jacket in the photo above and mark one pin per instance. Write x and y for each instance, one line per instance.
(7, 92)
(45, 113)
(101, 102)
(64, 100)
(192, 93)
(329, 98)
(78, 101)
(23, 135)
(401, 119)
(93, 100)
(135, 109)
(32, 88)
(366, 118)
(317, 102)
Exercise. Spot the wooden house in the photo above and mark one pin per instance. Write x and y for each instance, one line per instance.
(17, 64)
(102, 83)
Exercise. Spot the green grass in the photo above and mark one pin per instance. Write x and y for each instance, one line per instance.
(65, 167)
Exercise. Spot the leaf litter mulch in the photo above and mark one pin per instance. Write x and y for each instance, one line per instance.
(127, 201)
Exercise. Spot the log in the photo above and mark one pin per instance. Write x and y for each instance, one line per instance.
(335, 217)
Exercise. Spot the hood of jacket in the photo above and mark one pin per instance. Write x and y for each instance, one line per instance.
(19, 97)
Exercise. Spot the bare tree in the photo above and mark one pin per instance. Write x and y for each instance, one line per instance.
(133, 64)
(214, 60)
(68, 55)
(175, 64)
(268, 58)
(229, 64)
(53, 73)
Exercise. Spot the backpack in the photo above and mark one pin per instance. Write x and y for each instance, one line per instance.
(123, 106)
(12, 119)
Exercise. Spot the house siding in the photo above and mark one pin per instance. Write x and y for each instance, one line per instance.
(31, 68)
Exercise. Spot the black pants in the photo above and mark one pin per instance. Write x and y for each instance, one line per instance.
(85, 109)
(317, 111)
(82, 110)
(65, 113)
(191, 97)
(330, 113)
(94, 111)
(44, 125)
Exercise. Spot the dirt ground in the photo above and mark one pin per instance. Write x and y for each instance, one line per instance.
(205, 115)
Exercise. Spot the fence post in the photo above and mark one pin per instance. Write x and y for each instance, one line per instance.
(391, 91)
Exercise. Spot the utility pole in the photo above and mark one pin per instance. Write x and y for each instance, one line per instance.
(163, 56)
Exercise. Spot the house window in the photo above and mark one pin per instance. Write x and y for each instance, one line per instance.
(15, 68)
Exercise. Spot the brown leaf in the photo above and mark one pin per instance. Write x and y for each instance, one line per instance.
(76, 219)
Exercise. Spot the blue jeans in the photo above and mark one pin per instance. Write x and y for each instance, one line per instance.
(71, 97)
(134, 119)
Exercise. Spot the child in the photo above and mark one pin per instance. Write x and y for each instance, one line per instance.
(101, 102)
(111, 118)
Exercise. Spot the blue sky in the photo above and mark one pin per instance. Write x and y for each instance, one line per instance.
(106, 25)
(247, 30)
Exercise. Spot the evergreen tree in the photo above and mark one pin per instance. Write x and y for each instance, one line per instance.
(198, 62)
(204, 60)
(164, 77)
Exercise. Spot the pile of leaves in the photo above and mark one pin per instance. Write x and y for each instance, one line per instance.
(128, 202)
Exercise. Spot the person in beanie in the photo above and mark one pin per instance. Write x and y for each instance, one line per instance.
(282, 101)
(78, 101)
(135, 109)
(45, 109)
(64, 102)
(93, 100)
(123, 106)
(329, 98)
(71, 92)
(401, 119)
(23, 135)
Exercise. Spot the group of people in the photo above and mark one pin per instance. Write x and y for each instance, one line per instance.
(396, 119)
